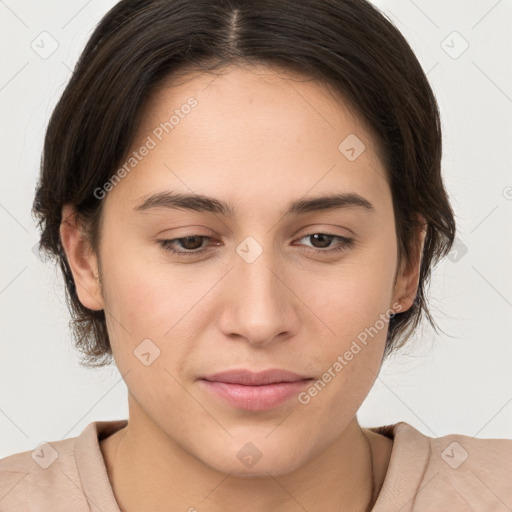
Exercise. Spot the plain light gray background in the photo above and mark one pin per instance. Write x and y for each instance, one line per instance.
(460, 383)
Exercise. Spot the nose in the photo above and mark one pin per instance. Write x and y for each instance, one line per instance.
(259, 305)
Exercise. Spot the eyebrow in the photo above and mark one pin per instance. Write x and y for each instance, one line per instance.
(203, 203)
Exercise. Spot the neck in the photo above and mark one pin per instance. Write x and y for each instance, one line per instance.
(149, 471)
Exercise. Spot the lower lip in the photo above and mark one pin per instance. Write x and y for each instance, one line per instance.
(256, 398)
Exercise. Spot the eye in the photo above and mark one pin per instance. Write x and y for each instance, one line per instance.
(193, 244)
(324, 239)
(189, 243)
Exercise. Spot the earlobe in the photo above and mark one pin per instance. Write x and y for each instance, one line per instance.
(82, 261)
(407, 281)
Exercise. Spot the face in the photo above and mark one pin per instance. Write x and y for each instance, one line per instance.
(262, 286)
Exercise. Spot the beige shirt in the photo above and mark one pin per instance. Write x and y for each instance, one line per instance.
(451, 473)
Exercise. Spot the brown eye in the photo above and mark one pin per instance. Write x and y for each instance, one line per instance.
(322, 242)
(193, 244)
(321, 238)
(190, 244)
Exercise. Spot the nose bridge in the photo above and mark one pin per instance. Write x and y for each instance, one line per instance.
(257, 268)
(258, 309)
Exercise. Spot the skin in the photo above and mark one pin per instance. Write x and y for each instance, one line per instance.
(258, 139)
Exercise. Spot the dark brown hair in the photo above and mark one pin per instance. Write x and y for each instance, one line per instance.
(347, 44)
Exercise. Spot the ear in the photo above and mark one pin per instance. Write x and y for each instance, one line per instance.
(82, 261)
(407, 279)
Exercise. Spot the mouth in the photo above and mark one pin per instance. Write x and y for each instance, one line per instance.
(255, 391)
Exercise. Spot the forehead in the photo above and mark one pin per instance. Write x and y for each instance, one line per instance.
(257, 132)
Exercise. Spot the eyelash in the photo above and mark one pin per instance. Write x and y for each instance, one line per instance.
(345, 243)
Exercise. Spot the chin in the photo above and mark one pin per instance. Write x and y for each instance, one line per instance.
(258, 459)
(275, 467)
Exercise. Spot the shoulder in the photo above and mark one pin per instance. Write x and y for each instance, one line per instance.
(33, 480)
(477, 471)
(464, 472)
(61, 476)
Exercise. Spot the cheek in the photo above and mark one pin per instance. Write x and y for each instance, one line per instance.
(137, 306)
(151, 300)
(351, 351)
(353, 304)
(354, 296)
(140, 291)
(136, 299)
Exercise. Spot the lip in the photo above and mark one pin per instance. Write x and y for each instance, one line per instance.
(256, 391)
(250, 378)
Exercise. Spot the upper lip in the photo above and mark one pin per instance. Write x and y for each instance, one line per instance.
(250, 378)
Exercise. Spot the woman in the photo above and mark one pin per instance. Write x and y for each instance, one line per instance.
(246, 201)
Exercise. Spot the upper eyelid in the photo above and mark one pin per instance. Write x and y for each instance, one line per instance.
(334, 235)
(310, 231)
(318, 232)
